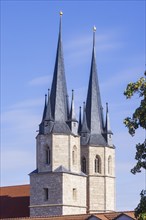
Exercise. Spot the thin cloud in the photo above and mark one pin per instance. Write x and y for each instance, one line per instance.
(39, 81)
(27, 104)
(103, 42)
(124, 76)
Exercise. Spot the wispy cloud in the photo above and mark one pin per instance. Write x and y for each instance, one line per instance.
(39, 81)
(104, 41)
(79, 48)
(120, 78)
(27, 104)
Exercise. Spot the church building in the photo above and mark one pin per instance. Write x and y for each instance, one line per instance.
(75, 158)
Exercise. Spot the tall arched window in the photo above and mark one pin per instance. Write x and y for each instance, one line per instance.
(97, 164)
(74, 155)
(109, 165)
(47, 155)
(83, 164)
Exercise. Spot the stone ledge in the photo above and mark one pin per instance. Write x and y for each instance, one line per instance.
(51, 205)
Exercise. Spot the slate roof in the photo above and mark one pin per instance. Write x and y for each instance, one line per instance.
(72, 115)
(107, 122)
(80, 121)
(93, 103)
(48, 115)
(58, 96)
(60, 128)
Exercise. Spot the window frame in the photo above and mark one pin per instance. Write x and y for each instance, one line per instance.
(83, 164)
(97, 164)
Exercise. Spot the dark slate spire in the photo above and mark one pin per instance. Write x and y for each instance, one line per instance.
(72, 122)
(41, 126)
(108, 133)
(48, 116)
(72, 109)
(93, 105)
(45, 108)
(59, 89)
(84, 128)
(85, 133)
(80, 121)
(67, 100)
(107, 122)
(48, 120)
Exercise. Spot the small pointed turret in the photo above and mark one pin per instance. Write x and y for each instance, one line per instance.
(72, 109)
(48, 109)
(108, 132)
(41, 126)
(72, 122)
(48, 120)
(85, 128)
(80, 121)
(45, 108)
(59, 89)
(67, 100)
(85, 133)
(93, 105)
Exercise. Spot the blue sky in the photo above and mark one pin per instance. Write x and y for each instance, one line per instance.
(29, 33)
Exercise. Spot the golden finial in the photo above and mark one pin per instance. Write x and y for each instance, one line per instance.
(61, 13)
(94, 28)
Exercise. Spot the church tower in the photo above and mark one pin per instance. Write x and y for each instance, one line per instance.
(97, 150)
(58, 186)
(75, 162)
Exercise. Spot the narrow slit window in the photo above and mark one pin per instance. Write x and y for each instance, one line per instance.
(74, 193)
(74, 155)
(48, 156)
(46, 194)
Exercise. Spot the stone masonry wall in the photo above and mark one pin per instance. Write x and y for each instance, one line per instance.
(39, 182)
(100, 186)
(74, 190)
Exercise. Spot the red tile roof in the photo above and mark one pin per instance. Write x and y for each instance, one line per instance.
(14, 201)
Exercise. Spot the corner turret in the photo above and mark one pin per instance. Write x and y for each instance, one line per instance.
(72, 122)
(108, 132)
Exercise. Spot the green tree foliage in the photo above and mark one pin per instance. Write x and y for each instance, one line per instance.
(140, 211)
(138, 120)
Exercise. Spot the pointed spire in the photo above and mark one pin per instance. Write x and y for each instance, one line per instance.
(93, 105)
(45, 108)
(48, 110)
(107, 122)
(41, 125)
(84, 123)
(72, 109)
(80, 120)
(67, 100)
(108, 133)
(59, 89)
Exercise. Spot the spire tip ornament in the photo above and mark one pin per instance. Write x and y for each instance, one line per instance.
(61, 13)
(94, 28)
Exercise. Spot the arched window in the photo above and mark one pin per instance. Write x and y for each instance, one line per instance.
(74, 155)
(97, 164)
(83, 164)
(47, 155)
(109, 165)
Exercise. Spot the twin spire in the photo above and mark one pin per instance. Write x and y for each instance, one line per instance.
(57, 115)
